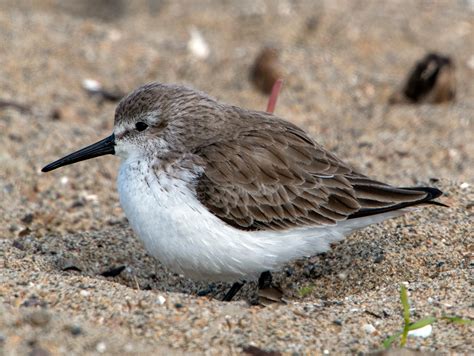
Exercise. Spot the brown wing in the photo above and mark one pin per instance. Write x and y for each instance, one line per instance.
(279, 178)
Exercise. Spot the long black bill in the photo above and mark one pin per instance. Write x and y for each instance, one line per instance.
(101, 148)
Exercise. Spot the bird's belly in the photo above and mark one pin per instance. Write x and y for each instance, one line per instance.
(184, 236)
(177, 229)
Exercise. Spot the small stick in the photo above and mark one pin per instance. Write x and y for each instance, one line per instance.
(93, 87)
(15, 105)
(136, 282)
(274, 96)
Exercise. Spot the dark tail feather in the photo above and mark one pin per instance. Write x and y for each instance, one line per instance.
(431, 193)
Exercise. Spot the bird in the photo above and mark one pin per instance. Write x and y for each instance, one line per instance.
(217, 192)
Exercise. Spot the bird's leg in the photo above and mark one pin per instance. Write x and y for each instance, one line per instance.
(265, 280)
(233, 291)
(267, 292)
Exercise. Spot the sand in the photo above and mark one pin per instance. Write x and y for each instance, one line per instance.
(59, 232)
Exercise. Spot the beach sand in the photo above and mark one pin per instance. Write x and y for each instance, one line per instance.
(59, 232)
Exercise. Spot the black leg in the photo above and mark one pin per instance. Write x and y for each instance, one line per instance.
(267, 292)
(265, 280)
(233, 291)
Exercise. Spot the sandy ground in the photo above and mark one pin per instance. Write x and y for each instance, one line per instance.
(60, 232)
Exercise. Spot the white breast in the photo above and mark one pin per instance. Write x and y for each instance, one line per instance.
(183, 235)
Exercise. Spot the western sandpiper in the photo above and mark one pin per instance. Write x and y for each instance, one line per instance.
(217, 192)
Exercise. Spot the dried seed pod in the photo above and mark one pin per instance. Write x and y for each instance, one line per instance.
(432, 80)
(271, 295)
(266, 70)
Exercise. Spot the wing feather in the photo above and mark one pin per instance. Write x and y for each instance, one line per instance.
(275, 177)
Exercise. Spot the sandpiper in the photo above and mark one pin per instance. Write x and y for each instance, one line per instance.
(218, 192)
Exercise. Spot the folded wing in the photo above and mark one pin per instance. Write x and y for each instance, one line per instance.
(278, 178)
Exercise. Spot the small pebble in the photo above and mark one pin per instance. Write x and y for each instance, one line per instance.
(101, 347)
(24, 232)
(369, 328)
(91, 197)
(160, 300)
(8, 188)
(19, 245)
(312, 271)
(75, 330)
(56, 114)
(85, 293)
(91, 85)
(379, 258)
(27, 219)
(197, 46)
(342, 275)
(113, 272)
(206, 291)
(33, 301)
(77, 203)
(69, 264)
(39, 318)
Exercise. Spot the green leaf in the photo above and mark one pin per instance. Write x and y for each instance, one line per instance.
(389, 340)
(458, 320)
(422, 323)
(405, 303)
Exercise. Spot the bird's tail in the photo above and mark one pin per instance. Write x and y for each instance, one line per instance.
(413, 196)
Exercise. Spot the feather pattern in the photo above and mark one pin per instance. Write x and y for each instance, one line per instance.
(274, 177)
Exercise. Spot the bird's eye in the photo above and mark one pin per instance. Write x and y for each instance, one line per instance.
(141, 126)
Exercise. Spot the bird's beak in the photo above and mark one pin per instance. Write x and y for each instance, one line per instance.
(101, 148)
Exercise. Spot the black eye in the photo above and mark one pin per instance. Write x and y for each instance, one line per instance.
(141, 126)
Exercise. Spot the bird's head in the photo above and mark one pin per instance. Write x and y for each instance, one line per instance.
(157, 118)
